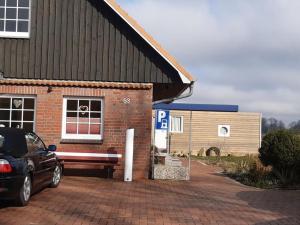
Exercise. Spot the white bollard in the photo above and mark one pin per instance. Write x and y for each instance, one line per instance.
(129, 155)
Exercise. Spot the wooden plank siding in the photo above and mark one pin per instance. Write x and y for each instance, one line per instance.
(244, 138)
(82, 40)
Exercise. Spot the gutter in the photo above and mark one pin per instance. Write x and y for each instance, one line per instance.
(179, 96)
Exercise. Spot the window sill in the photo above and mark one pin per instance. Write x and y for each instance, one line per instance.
(80, 141)
(21, 35)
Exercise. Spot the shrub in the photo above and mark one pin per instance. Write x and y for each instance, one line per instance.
(201, 152)
(281, 150)
(243, 166)
(213, 149)
(248, 170)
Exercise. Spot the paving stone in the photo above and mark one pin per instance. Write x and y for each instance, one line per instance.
(209, 198)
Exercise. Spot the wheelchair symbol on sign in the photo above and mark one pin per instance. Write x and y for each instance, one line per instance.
(164, 124)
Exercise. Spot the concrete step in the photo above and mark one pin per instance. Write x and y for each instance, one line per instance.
(170, 161)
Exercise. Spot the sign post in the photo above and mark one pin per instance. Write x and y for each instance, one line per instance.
(161, 130)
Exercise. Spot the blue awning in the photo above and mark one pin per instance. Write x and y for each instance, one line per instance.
(197, 107)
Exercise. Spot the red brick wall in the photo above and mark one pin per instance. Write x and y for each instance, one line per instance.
(117, 118)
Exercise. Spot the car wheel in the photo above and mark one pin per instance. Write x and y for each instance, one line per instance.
(56, 177)
(25, 192)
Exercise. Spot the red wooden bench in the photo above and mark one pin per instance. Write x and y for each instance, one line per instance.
(90, 161)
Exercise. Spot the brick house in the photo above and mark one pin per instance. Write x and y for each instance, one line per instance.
(81, 72)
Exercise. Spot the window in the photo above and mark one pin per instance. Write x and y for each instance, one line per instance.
(17, 112)
(34, 143)
(224, 131)
(176, 125)
(82, 119)
(14, 18)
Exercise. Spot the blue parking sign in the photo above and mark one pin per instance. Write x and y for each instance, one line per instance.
(162, 120)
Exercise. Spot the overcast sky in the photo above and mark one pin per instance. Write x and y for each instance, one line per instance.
(244, 52)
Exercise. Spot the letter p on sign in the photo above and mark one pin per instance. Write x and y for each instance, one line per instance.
(161, 115)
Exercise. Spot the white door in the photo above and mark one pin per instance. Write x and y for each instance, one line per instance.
(161, 139)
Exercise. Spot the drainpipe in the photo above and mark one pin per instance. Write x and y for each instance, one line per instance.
(179, 96)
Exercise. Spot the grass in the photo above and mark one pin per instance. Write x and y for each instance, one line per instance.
(213, 160)
(247, 170)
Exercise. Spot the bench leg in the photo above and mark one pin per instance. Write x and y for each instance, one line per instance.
(109, 171)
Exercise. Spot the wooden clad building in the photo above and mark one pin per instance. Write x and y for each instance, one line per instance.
(221, 126)
(79, 73)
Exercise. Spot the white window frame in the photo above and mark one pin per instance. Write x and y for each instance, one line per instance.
(220, 134)
(10, 121)
(16, 34)
(171, 125)
(66, 136)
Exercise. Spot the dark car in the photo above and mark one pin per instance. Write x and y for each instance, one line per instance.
(26, 165)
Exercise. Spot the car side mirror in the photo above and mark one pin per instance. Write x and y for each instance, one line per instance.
(52, 148)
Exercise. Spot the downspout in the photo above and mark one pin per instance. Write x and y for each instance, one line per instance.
(179, 96)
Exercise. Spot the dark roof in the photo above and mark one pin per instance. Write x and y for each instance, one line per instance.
(197, 107)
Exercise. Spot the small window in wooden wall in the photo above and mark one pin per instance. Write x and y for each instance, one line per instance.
(15, 18)
(176, 124)
(224, 130)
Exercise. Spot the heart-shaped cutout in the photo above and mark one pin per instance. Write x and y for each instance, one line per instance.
(17, 103)
(83, 109)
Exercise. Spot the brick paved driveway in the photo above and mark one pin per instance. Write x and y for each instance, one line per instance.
(208, 199)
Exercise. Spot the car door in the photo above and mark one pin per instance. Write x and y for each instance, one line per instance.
(33, 159)
(40, 157)
(47, 159)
